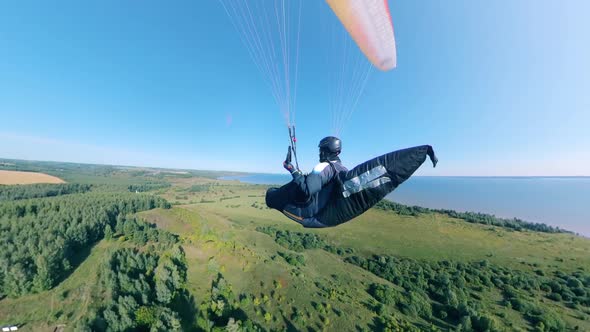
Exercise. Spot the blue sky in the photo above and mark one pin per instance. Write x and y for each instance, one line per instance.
(498, 88)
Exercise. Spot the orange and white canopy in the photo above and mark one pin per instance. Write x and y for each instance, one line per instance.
(369, 24)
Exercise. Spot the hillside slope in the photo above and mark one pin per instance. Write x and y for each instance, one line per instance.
(250, 268)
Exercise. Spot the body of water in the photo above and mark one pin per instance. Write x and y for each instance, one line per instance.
(556, 201)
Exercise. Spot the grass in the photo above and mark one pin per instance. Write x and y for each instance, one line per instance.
(223, 238)
(217, 222)
(64, 304)
(429, 237)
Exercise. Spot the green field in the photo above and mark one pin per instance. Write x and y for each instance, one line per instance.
(382, 271)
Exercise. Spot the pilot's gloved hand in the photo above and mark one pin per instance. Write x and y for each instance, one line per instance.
(288, 165)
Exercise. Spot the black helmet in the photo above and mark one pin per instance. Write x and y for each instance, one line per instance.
(331, 145)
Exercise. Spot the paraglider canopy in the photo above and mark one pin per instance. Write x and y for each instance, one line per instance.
(369, 24)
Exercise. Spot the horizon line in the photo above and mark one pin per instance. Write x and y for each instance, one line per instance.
(270, 173)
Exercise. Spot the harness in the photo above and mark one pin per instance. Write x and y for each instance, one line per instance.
(339, 185)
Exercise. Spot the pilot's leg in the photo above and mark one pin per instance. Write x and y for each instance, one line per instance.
(277, 198)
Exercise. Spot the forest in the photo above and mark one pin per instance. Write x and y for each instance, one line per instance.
(13, 193)
(144, 291)
(452, 292)
(449, 294)
(45, 238)
(219, 261)
(472, 217)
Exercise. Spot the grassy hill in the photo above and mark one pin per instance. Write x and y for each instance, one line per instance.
(250, 268)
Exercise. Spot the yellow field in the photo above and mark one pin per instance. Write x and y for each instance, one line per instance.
(13, 177)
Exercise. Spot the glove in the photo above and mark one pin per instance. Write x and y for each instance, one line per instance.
(287, 163)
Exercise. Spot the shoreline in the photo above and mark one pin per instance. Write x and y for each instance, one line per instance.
(471, 197)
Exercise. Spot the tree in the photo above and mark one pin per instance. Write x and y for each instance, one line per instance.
(108, 232)
(163, 285)
(145, 316)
